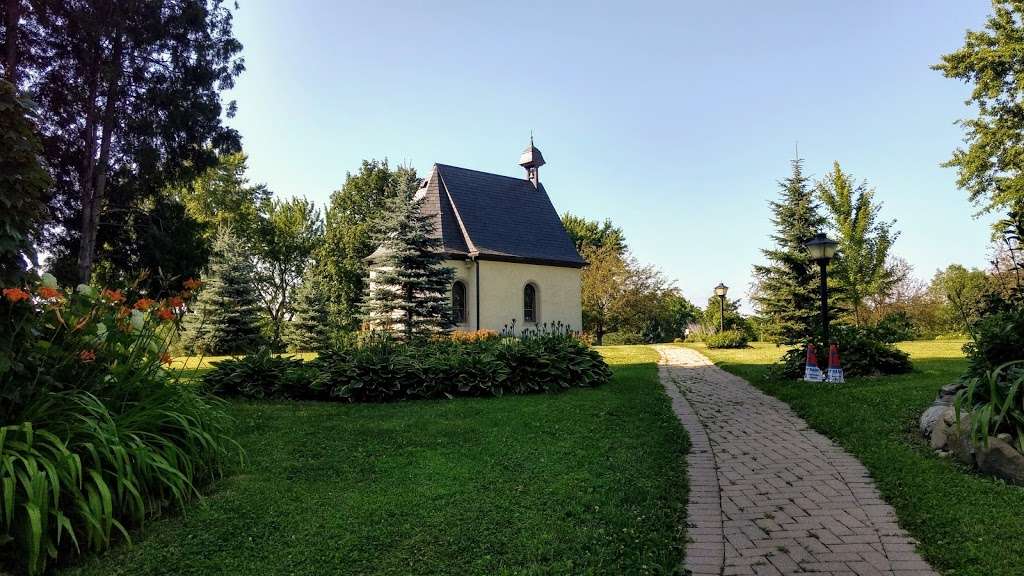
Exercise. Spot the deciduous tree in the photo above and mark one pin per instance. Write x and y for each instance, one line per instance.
(991, 167)
(862, 268)
(289, 233)
(130, 97)
(602, 286)
(591, 233)
(24, 185)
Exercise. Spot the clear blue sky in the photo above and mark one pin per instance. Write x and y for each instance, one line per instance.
(673, 119)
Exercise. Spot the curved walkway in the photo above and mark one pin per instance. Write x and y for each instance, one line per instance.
(768, 495)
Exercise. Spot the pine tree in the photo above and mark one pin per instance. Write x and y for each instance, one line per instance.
(787, 287)
(408, 291)
(309, 328)
(226, 316)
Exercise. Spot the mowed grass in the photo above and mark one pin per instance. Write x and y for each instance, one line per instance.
(967, 524)
(591, 481)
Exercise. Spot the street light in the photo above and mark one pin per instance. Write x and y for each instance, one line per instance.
(721, 290)
(822, 249)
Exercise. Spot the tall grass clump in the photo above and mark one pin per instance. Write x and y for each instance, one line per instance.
(95, 435)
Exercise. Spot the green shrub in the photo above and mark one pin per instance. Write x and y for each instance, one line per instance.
(726, 339)
(378, 368)
(861, 353)
(895, 327)
(262, 375)
(622, 339)
(103, 437)
(998, 339)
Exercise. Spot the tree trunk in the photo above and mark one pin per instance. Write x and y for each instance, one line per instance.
(92, 198)
(86, 179)
(11, 25)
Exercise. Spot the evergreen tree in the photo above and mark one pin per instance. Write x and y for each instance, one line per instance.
(226, 316)
(352, 222)
(408, 290)
(309, 326)
(787, 286)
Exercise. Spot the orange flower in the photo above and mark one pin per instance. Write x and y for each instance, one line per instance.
(175, 302)
(123, 311)
(165, 314)
(192, 284)
(113, 295)
(165, 358)
(87, 356)
(144, 304)
(16, 294)
(49, 293)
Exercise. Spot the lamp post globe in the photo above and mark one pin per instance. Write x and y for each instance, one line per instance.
(822, 249)
(721, 290)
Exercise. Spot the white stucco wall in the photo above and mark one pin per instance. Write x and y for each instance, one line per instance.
(501, 289)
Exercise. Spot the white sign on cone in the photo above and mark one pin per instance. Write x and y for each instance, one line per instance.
(811, 372)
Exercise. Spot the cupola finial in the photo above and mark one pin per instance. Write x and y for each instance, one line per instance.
(531, 159)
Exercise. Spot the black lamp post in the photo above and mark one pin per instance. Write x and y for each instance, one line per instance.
(721, 290)
(822, 249)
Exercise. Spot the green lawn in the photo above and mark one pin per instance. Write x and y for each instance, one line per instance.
(967, 524)
(584, 482)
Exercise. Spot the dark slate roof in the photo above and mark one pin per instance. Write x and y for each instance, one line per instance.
(497, 217)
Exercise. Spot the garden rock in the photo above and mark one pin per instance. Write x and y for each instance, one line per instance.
(948, 392)
(959, 440)
(940, 436)
(1000, 459)
(931, 417)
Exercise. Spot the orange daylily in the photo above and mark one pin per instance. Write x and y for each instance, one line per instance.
(16, 294)
(49, 293)
(144, 304)
(175, 302)
(165, 314)
(192, 284)
(87, 356)
(113, 295)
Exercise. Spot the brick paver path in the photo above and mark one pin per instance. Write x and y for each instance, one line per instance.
(768, 495)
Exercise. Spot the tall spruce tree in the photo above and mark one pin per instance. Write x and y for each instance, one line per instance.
(408, 293)
(226, 316)
(787, 286)
(309, 328)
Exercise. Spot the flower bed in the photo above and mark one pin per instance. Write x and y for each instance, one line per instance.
(378, 368)
(94, 435)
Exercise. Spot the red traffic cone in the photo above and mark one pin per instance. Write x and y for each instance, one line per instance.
(811, 371)
(835, 371)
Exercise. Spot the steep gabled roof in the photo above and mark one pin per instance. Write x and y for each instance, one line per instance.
(496, 217)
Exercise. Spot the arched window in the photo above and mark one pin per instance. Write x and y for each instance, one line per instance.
(530, 303)
(459, 302)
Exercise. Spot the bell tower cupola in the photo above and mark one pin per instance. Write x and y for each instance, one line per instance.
(532, 160)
